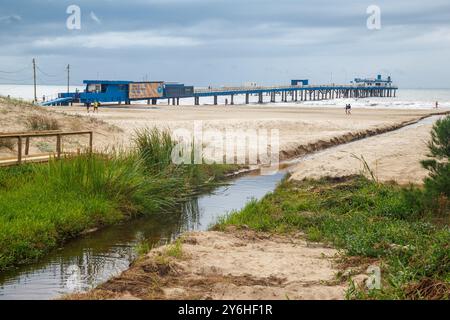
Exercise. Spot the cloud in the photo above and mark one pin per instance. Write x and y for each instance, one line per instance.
(118, 40)
(10, 19)
(188, 39)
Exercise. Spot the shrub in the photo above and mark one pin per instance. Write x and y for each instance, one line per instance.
(438, 182)
(42, 123)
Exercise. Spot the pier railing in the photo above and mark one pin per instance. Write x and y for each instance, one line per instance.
(23, 138)
(271, 88)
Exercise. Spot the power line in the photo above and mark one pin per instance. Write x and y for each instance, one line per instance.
(18, 71)
(46, 74)
(10, 79)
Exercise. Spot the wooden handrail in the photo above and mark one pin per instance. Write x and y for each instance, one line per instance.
(30, 132)
(42, 134)
(39, 134)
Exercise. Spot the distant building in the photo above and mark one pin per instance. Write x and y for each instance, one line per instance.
(126, 91)
(250, 84)
(376, 82)
(300, 83)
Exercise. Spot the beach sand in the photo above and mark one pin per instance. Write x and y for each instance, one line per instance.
(302, 130)
(297, 125)
(393, 156)
(239, 264)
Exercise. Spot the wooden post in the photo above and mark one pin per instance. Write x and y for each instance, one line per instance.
(27, 145)
(68, 78)
(91, 140)
(19, 150)
(58, 146)
(34, 80)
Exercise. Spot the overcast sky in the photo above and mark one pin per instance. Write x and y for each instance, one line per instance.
(227, 42)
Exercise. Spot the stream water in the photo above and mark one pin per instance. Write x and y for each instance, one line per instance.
(85, 262)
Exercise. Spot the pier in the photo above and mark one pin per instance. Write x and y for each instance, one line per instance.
(107, 91)
(297, 93)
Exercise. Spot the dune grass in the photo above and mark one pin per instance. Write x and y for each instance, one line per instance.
(7, 143)
(38, 122)
(43, 205)
(385, 222)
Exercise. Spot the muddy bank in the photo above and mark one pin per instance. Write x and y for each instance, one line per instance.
(237, 264)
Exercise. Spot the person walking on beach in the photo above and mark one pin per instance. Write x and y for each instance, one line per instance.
(88, 106)
(96, 104)
(348, 109)
(437, 105)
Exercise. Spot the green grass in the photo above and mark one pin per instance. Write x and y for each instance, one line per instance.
(43, 205)
(175, 249)
(364, 219)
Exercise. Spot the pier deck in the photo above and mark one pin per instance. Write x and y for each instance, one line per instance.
(298, 93)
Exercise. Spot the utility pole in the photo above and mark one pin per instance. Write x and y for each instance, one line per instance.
(68, 78)
(34, 79)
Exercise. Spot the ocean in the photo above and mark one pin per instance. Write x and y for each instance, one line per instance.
(406, 98)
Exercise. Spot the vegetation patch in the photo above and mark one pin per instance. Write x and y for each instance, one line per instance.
(365, 219)
(42, 123)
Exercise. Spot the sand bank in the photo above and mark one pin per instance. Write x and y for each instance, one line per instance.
(393, 156)
(233, 265)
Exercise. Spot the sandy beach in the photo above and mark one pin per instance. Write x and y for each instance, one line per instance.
(301, 130)
(393, 156)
